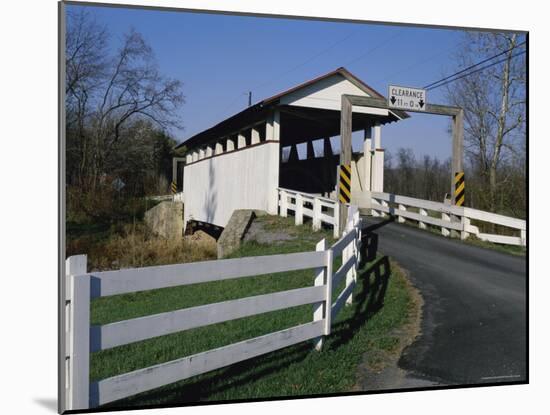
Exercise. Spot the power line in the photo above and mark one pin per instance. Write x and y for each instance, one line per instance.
(369, 51)
(422, 60)
(279, 76)
(473, 72)
(315, 56)
(431, 86)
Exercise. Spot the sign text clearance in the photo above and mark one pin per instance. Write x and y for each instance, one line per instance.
(406, 98)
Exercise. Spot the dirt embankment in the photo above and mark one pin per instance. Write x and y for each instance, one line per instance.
(385, 373)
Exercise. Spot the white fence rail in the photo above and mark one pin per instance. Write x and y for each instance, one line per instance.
(83, 338)
(449, 218)
(320, 209)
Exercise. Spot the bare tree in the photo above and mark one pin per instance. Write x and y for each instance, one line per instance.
(494, 103)
(107, 93)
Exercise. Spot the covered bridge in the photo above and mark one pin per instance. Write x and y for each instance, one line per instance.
(242, 161)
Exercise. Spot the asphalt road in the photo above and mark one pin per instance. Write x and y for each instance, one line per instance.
(474, 315)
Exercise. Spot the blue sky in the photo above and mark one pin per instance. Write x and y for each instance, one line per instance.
(219, 58)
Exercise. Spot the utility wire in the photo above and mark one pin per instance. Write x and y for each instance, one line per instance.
(292, 69)
(431, 86)
(369, 51)
(279, 76)
(472, 72)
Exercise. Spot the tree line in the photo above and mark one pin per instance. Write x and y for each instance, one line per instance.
(430, 178)
(119, 111)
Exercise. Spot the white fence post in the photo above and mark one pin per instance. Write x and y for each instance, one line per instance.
(464, 234)
(446, 218)
(328, 301)
(299, 212)
(78, 333)
(400, 218)
(316, 214)
(284, 203)
(348, 253)
(385, 204)
(335, 220)
(523, 237)
(423, 212)
(320, 278)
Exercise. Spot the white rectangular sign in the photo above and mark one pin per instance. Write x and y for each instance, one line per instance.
(406, 98)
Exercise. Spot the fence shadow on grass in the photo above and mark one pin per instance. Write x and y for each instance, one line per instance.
(369, 300)
(238, 374)
(373, 277)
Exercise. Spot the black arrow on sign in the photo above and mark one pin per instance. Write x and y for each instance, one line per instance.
(392, 99)
(421, 103)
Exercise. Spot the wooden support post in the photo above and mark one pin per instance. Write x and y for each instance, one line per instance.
(174, 170)
(293, 155)
(327, 147)
(269, 127)
(310, 150)
(367, 156)
(345, 149)
(316, 214)
(78, 333)
(421, 224)
(318, 308)
(458, 148)
(276, 125)
(299, 212)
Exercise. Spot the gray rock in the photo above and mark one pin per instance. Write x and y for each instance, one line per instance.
(166, 219)
(233, 233)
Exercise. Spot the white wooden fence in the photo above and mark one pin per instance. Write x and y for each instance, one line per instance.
(83, 339)
(447, 217)
(320, 209)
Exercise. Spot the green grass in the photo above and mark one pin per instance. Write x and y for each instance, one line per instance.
(381, 304)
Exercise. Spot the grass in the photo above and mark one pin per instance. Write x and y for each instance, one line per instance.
(381, 304)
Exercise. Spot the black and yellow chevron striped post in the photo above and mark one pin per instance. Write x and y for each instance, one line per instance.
(344, 183)
(459, 188)
(174, 187)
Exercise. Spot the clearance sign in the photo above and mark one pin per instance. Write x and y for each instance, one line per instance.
(405, 98)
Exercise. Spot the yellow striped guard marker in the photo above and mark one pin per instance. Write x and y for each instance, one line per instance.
(459, 188)
(344, 185)
(174, 187)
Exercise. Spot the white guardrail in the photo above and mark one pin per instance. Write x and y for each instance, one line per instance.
(84, 339)
(320, 209)
(447, 217)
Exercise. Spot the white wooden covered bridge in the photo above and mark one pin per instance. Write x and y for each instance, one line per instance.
(239, 164)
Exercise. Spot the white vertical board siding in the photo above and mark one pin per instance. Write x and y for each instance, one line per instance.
(245, 179)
